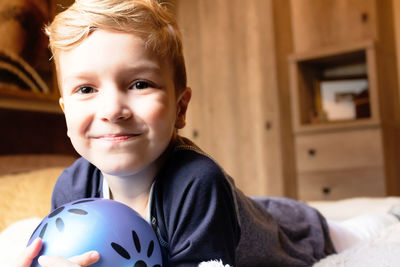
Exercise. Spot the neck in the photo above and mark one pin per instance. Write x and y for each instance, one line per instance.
(134, 190)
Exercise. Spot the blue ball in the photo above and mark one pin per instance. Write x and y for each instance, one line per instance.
(116, 231)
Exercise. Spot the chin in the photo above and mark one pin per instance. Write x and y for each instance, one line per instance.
(119, 172)
(120, 168)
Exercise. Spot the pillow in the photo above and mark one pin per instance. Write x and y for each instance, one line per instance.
(30, 162)
(380, 250)
(339, 210)
(14, 238)
(27, 194)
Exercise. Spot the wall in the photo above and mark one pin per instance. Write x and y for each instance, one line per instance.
(232, 55)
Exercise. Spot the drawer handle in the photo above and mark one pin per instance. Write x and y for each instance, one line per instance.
(312, 152)
(268, 125)
(195, 133)
(326, 191)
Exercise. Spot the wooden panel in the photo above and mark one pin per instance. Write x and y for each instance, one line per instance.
(324, 23)
(333, 185)
(234, 114)
(284, 47)
(339, 150)
(25, 132)
(389, 94)
(396, 17)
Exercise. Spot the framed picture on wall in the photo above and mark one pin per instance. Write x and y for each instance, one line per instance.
(342, 99)
(26, 73)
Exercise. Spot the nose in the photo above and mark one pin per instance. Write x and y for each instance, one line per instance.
(114, 106)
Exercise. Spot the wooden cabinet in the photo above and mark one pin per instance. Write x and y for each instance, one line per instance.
(324, 23)
(350, 149)
(339, 184)
(332, 165)
(344, 95)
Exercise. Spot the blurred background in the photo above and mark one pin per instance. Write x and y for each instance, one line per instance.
(296, 98)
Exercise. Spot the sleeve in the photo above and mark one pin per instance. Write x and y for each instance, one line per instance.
(197, 214)
(80, 180)
(305, 230)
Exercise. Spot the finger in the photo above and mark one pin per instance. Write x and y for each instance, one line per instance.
(86, 259)
(83, 260)
(51, 261)
(30, 252)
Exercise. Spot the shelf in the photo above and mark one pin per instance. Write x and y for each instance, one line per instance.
(334, 88)
(14, 98)
(337, 126)
(328, 52)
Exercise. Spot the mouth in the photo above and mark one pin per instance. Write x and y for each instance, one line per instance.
(116, 138)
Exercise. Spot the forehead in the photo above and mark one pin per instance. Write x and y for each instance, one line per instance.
(107, 52)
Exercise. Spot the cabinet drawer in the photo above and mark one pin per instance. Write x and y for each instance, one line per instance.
(333, 185)
(339, 150)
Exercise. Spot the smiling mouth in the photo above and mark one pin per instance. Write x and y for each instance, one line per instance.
(116, 138)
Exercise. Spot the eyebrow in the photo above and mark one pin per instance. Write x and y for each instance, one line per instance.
(137, 69)
(147, 68)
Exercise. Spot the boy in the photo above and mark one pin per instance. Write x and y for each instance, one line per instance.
(122, 77)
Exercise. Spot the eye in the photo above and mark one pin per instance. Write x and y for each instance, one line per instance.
(140, 85)
(85, 90)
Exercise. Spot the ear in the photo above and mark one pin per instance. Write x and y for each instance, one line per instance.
(61, 103)
(182, 104)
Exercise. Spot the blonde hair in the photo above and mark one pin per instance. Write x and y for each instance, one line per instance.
(148, 19)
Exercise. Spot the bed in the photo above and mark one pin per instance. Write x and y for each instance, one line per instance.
(25, 191)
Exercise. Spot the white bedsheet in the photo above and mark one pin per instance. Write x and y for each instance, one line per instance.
(382, 249)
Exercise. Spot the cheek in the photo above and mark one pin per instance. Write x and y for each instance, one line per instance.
(77, 119)
(162, 113)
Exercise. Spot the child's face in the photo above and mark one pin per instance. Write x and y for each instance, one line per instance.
(119, 102)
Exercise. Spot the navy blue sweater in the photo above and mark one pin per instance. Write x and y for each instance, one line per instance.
(199, 215)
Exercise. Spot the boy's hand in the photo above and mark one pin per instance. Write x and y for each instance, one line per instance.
(33, 250)
(25, 260)
(83, 260)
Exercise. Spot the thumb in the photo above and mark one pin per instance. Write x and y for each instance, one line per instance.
(86, 259)
(25, 260)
